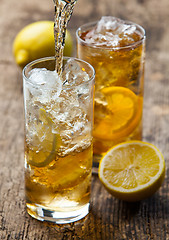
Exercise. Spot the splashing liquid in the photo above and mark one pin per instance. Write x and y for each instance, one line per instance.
(63, 13)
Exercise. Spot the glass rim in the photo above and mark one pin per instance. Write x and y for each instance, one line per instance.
(90, 24)
(52, 58)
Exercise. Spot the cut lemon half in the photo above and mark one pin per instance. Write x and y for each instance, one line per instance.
(133, 170)
(120, 116)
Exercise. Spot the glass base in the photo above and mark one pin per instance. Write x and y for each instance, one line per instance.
(57, 217)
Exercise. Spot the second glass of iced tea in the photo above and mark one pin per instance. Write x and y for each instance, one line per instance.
(116, 49)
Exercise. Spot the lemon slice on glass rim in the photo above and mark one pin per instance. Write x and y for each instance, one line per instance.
(132, 171)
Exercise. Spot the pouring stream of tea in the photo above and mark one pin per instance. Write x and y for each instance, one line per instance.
(63, 13)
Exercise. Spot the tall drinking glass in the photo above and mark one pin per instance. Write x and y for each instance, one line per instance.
(58, 139)
(116, 49)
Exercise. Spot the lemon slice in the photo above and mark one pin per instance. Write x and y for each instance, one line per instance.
(133, 170)
(41, 158)
(45, 143)
(122, 114)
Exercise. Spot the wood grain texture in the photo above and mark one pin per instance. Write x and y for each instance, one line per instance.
(109, 218)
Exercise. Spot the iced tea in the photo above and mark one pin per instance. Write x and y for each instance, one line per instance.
(116, 50)
(58, 139)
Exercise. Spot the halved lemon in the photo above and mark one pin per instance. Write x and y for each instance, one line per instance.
(120, 116)
(133, 170)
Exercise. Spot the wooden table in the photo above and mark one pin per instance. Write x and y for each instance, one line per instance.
(109, 218)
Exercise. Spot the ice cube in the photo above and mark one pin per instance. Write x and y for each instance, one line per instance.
(111, 32)
(112, 25)
(37, 76)
(104, 33)
(73, 74)
(130, 30)
(44, 85)
(107, 23)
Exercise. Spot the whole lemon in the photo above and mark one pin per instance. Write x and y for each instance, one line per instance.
(36, 40)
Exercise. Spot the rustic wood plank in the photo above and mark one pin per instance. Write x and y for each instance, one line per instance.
(109, 218)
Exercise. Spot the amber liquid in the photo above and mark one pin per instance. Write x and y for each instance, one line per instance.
(55, 180)
(61, 185)
(114, 67)
(63, 13)
(57, 170)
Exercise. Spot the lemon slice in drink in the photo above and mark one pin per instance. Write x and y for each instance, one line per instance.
(133, 170)
(122, 114)
(45, 143)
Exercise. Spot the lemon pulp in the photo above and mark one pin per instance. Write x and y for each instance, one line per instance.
(132, 170)
(122, 114)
